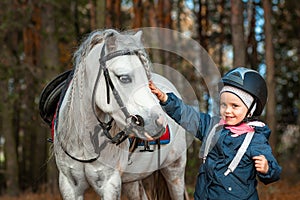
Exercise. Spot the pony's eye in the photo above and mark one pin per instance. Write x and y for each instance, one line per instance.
(125, 79)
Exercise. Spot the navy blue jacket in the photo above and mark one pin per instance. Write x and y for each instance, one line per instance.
(211, 182)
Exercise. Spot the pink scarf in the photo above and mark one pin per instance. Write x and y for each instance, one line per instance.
(239, 129)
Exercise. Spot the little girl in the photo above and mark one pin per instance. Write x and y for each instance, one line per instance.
(235, 147)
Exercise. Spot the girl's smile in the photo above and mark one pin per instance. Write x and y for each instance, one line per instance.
(232, 108)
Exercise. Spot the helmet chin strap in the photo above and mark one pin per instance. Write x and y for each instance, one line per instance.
(249, 115)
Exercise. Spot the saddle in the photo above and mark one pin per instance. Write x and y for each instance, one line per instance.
(51, 95)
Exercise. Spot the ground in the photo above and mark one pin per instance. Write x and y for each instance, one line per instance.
(277, 191)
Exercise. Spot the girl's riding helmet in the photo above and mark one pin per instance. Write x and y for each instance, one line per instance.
(251, 82)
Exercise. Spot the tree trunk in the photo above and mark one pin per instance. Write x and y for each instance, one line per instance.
(251, 42)
(9, 95)
(222, 35)
(36, 147)
(92, 10)
(51, 69)
(271, 105)
(113, 13)
(237, 29)
(117, 14)
(100, 14)
(202, 23)
(49, 44)
(138, 13)
(202, 38)
(10, 149)
(151, 14)
(74, 10)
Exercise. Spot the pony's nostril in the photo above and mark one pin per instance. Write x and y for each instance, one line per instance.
(160, 121)
(138, 120)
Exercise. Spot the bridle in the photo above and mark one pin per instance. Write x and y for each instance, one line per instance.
(134, 121)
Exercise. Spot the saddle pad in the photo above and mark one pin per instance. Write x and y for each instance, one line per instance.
(53, 124)
(164, 139)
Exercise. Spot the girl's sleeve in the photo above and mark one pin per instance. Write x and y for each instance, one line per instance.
(186, 116)
(262, 147)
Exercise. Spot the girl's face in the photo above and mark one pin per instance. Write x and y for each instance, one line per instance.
(232, 109)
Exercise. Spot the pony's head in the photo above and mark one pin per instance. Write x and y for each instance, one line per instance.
(116, 72)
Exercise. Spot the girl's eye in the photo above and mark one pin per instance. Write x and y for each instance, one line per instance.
(125, 79)
(235, 106)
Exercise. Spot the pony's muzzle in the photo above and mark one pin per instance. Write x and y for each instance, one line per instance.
(160, 127)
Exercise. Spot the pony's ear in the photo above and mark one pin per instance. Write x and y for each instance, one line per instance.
(138, 36)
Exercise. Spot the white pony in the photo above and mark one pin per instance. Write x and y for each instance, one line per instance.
(106, 102)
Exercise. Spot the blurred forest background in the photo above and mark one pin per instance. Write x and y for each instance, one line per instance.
(38, 37)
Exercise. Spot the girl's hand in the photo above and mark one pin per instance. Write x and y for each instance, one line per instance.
(261, 164)
(160, 94)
